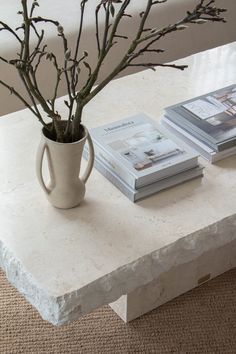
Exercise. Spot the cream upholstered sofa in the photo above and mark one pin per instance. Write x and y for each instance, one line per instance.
(177, 45)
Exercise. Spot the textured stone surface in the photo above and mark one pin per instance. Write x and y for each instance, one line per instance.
(178, 279)
(67, 263)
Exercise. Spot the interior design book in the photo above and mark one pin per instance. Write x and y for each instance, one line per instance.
(140, 151)
(138, 194)
(206, 152)
(211, 118)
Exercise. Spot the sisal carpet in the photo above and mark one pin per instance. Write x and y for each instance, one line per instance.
(200, 321)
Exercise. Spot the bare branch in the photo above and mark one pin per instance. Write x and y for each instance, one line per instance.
(42, 19)
(37, 48)
(130, 55)
(154, 65)
(106, 26)
(104, 51)
(26, 50)
(34, 5)
(28, 60)
(4, 60)
(83, 4)
(97, 28)
(31, 96)
(21, 98)
(10, 30)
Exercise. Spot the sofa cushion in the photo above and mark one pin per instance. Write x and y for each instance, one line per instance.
(176, 45)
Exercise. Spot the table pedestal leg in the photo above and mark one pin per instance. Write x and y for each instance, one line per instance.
(175, 282)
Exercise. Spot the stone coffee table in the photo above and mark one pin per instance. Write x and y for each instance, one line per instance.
(108, 250)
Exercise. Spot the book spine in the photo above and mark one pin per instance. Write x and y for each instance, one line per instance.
(128, 192)
(115, 166)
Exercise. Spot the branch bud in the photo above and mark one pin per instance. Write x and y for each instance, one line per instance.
(49, 56)
(181, 27)
(200, 21)
(68, 54)
(60, 29)
(19, 65)
(153, 30)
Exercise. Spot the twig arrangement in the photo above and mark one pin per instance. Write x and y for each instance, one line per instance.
(28, 60)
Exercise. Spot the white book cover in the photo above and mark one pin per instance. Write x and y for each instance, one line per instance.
(140, 151)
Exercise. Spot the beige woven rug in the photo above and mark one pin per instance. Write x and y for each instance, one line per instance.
(201, 321)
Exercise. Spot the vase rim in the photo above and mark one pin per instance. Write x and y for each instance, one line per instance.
(74, 142)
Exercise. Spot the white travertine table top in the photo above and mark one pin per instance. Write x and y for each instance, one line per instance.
(106, 247)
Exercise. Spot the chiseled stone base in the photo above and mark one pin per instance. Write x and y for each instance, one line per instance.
(175, 282)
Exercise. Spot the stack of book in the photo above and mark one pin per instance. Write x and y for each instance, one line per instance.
(141, 158)
(207, 123)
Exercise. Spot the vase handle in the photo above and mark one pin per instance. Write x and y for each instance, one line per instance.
(90, 159)
(39, 164)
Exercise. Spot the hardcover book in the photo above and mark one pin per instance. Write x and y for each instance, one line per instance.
(211, 118)
(206, 152)
(140, 151)
(138, 194)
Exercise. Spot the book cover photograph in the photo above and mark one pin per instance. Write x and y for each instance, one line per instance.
(140, 151)
(218, 110)
(139, 147)
(207, 123)
(145, 148)
(213, 113)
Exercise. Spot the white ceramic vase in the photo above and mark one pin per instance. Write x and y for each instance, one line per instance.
(65, 189)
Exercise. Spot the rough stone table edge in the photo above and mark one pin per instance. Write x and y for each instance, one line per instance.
(63, 309)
